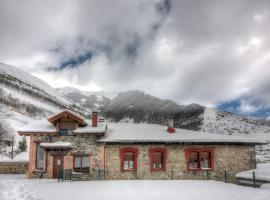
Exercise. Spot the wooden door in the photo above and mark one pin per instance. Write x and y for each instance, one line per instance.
(58, 166)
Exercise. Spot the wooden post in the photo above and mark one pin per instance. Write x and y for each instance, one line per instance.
(254, 179)
(172, 175)
(207, 174)
(225, 176)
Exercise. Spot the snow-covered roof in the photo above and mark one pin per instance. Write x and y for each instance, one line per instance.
(132, 133)
(69, 113)
(44, 126)
(38, 126)
(101, 128)
(58, 145)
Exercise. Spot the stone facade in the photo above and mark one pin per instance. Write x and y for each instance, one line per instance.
(13, 167)
(232, 158)
(81, 145)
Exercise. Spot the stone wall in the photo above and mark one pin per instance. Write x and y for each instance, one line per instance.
(13, 167)
(82, 145)
(232, 158)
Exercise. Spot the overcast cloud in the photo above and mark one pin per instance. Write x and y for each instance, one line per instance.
(206, 52)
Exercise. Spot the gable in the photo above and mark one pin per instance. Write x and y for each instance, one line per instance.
(66, 118)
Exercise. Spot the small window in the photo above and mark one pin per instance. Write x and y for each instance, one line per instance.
(194, 160)
(39, 156)
(81, 164)
(65, 132)
(157, 159)
(128, 158)
(129, 161)
(200, 158)
(205, 160)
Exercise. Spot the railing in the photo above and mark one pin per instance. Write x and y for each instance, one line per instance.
(99, 174)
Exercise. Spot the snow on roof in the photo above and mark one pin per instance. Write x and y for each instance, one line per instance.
(262, 173)
(44, 126)
(71, 114)
(38, 126)
(101, 128)
(57, 144)
(128, 132)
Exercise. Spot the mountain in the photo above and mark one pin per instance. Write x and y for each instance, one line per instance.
(138, 107)
(24, 97)
(87, 100)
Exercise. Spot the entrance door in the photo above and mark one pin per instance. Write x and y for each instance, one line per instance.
(58, 166)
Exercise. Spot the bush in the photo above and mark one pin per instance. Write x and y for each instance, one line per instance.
(23, 145)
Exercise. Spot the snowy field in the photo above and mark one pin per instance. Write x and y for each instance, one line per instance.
(16, 187)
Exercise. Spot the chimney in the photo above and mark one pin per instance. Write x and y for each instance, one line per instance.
(170, 128)
(94, 119)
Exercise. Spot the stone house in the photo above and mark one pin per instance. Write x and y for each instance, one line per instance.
(91, 149)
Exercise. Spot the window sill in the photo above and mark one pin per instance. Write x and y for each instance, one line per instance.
(129, 170)
(201, 169)
(158, 170)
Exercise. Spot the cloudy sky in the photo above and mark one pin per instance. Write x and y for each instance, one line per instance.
(211, 52)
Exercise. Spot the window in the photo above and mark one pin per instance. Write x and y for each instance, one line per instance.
(193, 160)
(65, 132)
(128, 158)
(81, 164)
(39, 156)
(200, 158)
(157, 159)
(129, 161)
(205, 160)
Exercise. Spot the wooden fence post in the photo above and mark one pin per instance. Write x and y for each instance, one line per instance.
(254, 179)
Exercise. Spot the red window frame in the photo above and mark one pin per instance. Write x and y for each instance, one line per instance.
(152, 151)
(122, 157)
(199, 151)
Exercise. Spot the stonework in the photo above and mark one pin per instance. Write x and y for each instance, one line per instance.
(232, 158)
(13, 167)
(81, 145)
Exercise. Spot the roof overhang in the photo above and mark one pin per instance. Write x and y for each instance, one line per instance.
(28, 133)
(67, 113)
(56, 145)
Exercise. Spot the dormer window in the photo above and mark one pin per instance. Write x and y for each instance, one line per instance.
(65, 132)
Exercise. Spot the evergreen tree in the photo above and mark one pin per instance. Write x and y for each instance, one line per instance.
(23, 144)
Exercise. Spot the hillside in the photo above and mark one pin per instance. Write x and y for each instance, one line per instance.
(137, 106)
(87, 100)
(24, 97)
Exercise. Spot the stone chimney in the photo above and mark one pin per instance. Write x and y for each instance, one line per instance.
(94, 119)
(170, 128)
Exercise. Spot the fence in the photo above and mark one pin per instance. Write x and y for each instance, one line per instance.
(98, 174)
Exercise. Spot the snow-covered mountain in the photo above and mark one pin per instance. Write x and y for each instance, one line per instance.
(136, 106)
(24, 98)
(86, 100)
(139, 107)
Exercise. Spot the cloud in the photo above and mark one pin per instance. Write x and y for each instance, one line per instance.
(207, 52)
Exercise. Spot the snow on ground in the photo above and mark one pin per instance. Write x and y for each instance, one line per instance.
(21, 157)
(262, 173)
(14, 187)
